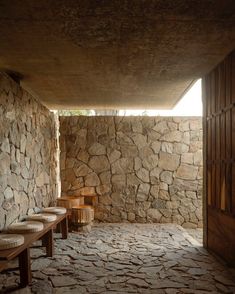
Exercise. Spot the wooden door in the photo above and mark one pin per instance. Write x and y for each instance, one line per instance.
(218, 89)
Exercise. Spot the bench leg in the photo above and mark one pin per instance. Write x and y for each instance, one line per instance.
(25, 268)
(64, 228)
(48, 242)
(58, 228)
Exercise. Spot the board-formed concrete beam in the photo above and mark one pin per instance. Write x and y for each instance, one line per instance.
(113, 54)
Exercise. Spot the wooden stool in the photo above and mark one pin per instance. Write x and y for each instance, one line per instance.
(81, 218)
(69, 202)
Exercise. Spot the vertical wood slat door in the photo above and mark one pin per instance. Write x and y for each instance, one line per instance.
(219, 126)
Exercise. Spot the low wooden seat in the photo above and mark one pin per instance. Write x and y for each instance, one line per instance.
(69, 201)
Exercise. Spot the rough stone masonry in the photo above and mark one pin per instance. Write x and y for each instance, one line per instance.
(28, 146)
(143, 169)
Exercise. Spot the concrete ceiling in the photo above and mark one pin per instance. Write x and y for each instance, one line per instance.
(113, 54)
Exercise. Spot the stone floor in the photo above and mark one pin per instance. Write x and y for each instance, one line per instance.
(196, 234)
(126, 258)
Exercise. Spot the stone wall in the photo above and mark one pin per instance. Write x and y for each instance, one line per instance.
(144, 169)
(27, 153)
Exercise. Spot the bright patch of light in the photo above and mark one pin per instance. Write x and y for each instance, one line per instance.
(189, 105)
(191, 102)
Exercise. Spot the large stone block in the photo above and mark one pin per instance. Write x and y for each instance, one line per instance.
(196, 124)
(105, 177)
(143, 192)
(137, 163)
(117, 200)
(197, 158)
(180, 148)
(87, 191)
(123, 139)
(154, 190)
(187, 172)
(83, 156)
(145, 152)
(167, 147)
(92, 180)
(132, 180)
(167, 177)
(141, 197)
(184, 126)
(154, 215)
(137, 126)
(150, 162)
(99, 163)
(143, 175)
(139, 140)
(187, 158)
(161, 127)
(8, 193)
(42, 179)
(119, 180)
(23, 142)
(5, 147)
(105, 200)
(5, 162)
(174, 136)
(103, 189)
(122, 165)
(114, 155)
(97, 149)
(159, 204)
(168, 161)
(13, 182)
(129, 151)
(131, 217)
(156, 146)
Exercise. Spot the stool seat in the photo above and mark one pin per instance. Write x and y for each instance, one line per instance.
(55, 210)
(8, 241)
(25, 227)
(42, 217)
(69, 201)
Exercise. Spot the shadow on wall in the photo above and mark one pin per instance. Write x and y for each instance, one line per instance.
(27, 153)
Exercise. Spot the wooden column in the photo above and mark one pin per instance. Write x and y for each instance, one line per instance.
(219, 159)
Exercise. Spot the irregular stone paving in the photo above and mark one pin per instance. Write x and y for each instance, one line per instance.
(127, 258)
(196, 234)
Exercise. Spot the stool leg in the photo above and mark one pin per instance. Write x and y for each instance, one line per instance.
(25, 268)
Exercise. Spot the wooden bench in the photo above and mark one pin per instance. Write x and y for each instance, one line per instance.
(23, 251)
